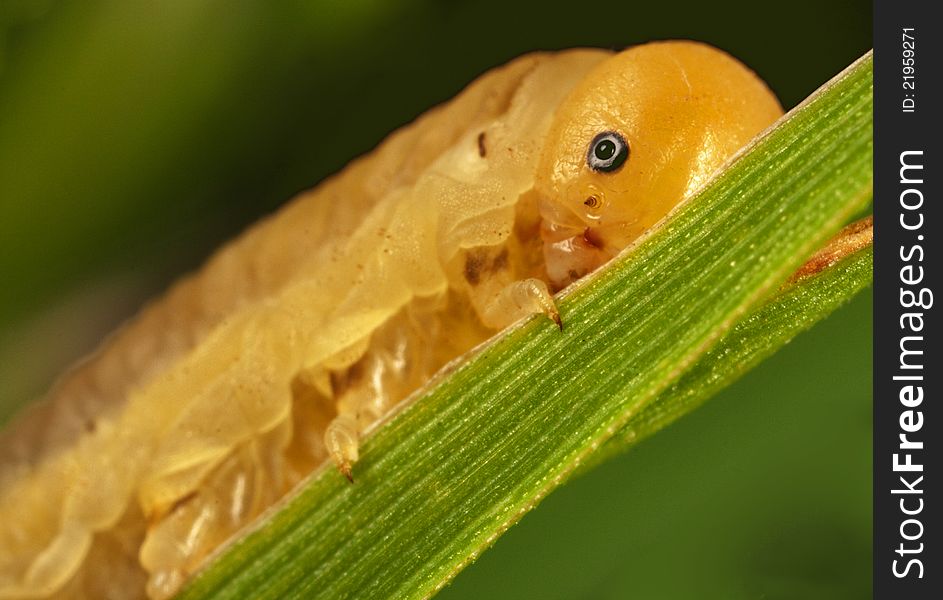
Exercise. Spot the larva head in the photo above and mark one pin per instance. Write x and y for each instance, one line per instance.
(643, 130)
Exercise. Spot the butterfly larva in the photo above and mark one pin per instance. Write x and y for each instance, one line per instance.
(223, 394)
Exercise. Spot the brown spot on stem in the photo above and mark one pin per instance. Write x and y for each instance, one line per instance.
(849, 240)
(482, 150)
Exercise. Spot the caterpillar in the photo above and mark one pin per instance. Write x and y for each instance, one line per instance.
(222, 395)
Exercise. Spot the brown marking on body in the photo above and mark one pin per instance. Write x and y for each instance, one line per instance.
(337, 383)
(341, 381)
(849, 240)
(475, 261)
(527, 230)
(592, 238)
(482, 150)
(478, 262)
(500, 261)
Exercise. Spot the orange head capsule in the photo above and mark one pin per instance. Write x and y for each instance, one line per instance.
(641, 132)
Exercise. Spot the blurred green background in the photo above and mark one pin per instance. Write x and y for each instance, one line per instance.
(137, 135)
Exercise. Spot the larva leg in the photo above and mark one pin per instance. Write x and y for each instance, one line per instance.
(401, 356)
(342, 439)
(497, 283)
(517, 300)
(360, 394)
(366, 389)
(363, 394)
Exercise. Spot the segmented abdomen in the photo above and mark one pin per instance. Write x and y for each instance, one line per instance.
(216, 395)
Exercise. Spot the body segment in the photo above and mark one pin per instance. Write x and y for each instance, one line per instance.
(303, 332)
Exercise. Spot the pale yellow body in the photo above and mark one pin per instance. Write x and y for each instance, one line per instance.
(297, 336)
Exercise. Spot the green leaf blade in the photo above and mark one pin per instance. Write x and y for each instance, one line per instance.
(442, 480)
(765, 330)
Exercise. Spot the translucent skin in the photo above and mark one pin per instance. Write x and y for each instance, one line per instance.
(214, 401)
(685, 108)
(299, 335)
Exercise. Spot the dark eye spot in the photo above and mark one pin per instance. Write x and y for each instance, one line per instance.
(607, 152)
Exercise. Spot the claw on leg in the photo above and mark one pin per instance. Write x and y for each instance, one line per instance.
(342, 441)
(555, 317)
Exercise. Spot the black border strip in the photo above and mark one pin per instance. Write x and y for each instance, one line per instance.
(907, 263)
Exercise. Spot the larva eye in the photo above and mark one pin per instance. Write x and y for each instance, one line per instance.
(607, 152)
